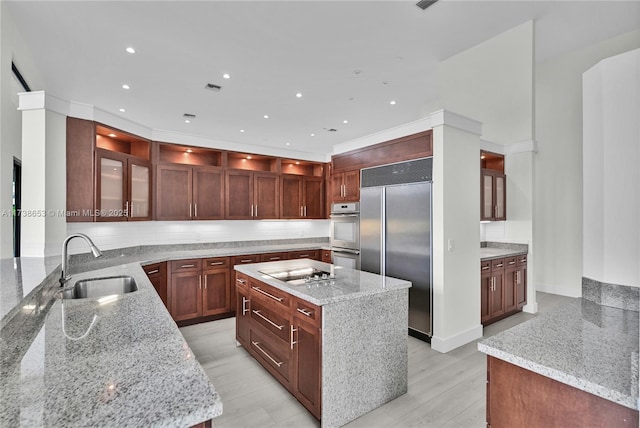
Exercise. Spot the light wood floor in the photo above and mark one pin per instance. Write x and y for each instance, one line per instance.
(445, 390)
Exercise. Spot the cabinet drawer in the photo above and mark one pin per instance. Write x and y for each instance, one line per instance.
(497, 264)
(265, 292)
(509, 262)
(306, 311)
(190, 265)
(273, 257)
(276, 323)
(242, 281)
(242, 260)
(306, 254)
(522, 260)
(155, 269)
(216, 262)
(275, 358)
(485, 266)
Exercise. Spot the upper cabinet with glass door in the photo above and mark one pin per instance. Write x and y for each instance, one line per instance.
(123, 176)
(493, 187)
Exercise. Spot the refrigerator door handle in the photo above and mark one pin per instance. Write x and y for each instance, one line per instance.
(383, 231)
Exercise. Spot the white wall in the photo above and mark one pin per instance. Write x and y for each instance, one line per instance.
(13, 48)
(109, 236)
(611, 177)
(558, 204)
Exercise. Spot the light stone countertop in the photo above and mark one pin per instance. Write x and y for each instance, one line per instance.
(498, 253)
(348, 283)
(591, 347)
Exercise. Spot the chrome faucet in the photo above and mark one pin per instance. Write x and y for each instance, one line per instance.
(64, 276)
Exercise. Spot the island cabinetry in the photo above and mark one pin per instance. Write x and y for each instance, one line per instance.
(243, 313)
(199, 287)
(157, 274)
(517, 397)
(306, 347)
(240, 260)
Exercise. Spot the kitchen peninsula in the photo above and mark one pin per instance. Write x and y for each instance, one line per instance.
(335, 338)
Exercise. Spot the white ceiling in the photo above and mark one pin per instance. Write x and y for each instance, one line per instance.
(272, 50)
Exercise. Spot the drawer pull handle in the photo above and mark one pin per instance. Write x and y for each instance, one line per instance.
(186, 266)
(302, 256)
(257, 345)
(291, 341)
(246, 261)
(151, 272)
(304, 312)
(241, 281)
(279, 327)
(274, 258)
(485, 267)
(244, 305)
(279, 299)
(216, 263)
(512, 263)
(499, 265)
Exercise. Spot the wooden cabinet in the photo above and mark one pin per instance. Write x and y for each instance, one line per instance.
(305, 254)
(326, 256)
(503, 287)
(123, 186)
(189, 193)
(517, 397)
(81, 137)
(345, 186)
(493, 195)
(251, 195)
(157, 274)
(199, 287)
(240, 260)
(301, 197)
(283, 333)
(274, 257)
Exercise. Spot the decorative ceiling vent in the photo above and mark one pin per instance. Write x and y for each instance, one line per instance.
(189, 116)
(212, 87)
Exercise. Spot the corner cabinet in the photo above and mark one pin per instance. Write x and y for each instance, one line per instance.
(283, 333)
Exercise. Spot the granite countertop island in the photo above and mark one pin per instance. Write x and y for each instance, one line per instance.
(121, 362)
(363, 347)
(582, 344)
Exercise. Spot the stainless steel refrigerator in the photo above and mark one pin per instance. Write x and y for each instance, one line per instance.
(395, 232)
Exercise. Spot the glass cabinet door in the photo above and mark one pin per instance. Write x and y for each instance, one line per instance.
(500, 197)
(487, 196)
(140, 176)
(112, 185)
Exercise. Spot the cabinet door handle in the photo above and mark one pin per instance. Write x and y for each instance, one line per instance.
(304, 312)
(244, 305)
(305, 211)
(189, 210)
(301, 209)
(126, 209)
(151, 272)
(200, 282)
(279, 327)
(512, 263)
(205, 282)
(241, 281)
(499, 265)
(279, 299)
(195, 210)
(186, 266)
(274, 258)
(215, 263)
(257, 345)
(256, 210)
(485, 267)
(303, 256)
(291, 336)
(251, 210)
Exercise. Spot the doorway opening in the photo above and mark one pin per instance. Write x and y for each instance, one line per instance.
(17, 205)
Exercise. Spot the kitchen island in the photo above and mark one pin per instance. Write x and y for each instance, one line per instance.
(574, 366)
(335, 337)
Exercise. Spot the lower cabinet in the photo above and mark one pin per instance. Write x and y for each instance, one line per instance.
(283, 334)
(157, 274)
(503, 287)
(325, 256)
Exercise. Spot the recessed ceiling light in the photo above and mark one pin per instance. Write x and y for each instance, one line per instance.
(226, 75)
(313, 135)
(131, 50)
(125, 86)
(392, 103)
(345, 121)
(242, 130)
(112, 135)
(122, 110)
(187, 121)
(287, 144)
(266, 116)
(299, 95)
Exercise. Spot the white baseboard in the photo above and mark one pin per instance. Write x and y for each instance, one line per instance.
(450, 343)
(530, 308)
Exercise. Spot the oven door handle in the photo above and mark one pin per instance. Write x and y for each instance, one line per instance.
(344, 250)
(343, 215)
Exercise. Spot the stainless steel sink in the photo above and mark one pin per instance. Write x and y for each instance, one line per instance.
(100, 287)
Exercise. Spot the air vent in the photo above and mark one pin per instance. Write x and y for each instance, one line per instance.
(423, 4)
(189, 116)
(212, 87)
(332, 130)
